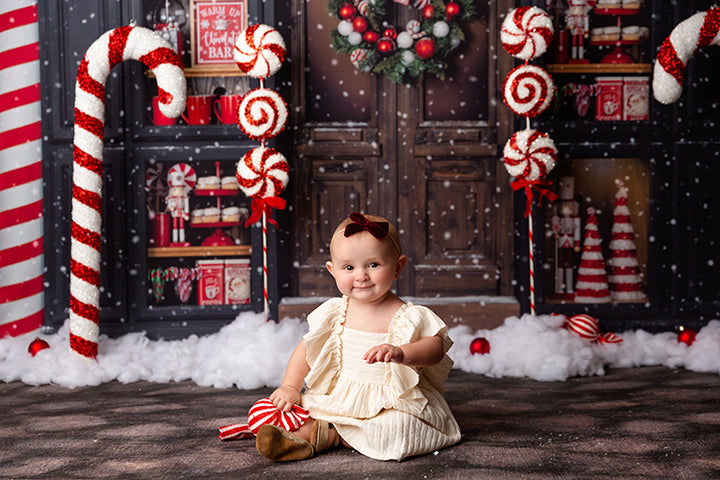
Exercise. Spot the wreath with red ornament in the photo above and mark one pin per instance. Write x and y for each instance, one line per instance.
(367, 33)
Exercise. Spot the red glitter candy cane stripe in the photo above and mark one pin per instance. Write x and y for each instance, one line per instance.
(88, 312)
(83, 347)
(88, 237)
(85, 273)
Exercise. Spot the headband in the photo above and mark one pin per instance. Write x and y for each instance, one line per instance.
(359, 223)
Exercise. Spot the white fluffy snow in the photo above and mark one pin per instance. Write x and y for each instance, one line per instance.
(251, 353)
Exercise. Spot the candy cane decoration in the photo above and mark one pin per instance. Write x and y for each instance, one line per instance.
(115, 46)
(263, 412)
(687, 37)
(22, 301)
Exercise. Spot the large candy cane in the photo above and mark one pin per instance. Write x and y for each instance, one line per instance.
(687, 37)
(115, 46)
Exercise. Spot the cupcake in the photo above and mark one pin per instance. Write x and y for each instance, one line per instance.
(197, 215)
(208, 183)
(231, 214)
(211, 215)
(230, 183)
(631, 33)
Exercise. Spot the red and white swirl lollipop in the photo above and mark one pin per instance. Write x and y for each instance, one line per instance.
(526, 32)
(181, 175)
(113, 47)
(259, 51)
(528, 90)
(262, 114)
(263, 412)
(529, 155)
(263, 172)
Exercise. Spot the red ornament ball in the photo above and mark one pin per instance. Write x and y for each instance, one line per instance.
(37, 345)
(452, 9)
(480, 346)
(385, 45)
(428, 12)
(371, 36)
(360, 24)
(687, 336)
(347, 11)
(390, 33)
(425, 48)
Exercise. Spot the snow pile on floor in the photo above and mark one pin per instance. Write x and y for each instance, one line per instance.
(252, 353)
(540, 348)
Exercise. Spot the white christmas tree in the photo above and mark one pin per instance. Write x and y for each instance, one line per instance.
(624, 278)
(592, 280)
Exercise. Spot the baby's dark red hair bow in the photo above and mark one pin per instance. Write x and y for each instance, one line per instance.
(359, 223)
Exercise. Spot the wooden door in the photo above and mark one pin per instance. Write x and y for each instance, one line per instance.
(423, 155)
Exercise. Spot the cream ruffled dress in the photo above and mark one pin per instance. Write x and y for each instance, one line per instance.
(385, 411)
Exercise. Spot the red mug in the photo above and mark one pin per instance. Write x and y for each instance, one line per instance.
(158, 117)
(161, 230)
(226, 108)
(199, 109)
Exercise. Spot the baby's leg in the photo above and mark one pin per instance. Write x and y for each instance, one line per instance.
(306, 430)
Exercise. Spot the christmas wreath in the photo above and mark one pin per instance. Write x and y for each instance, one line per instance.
(366, 32)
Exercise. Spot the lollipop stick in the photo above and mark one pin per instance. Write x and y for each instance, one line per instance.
(532, 263)
(265, 273)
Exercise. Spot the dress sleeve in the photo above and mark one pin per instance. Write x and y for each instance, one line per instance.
(323, 345)
(418, 322)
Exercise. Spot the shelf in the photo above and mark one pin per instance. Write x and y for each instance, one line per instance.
(208, 71)
(615, 43)
(616, 11)
(224, 192)
(599, 68)
(214, 224)
(231, 251)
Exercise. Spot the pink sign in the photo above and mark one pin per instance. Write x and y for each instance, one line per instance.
(216, 25)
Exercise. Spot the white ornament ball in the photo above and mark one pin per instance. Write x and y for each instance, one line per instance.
(404, 40)
(355, 38)
(345, 28)
(407, 57)
(440, 29)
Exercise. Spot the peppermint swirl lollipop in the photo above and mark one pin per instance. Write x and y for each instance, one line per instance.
(529, 155)
(259, 51)
(526, 32)
(528, 90)
(263, 172)
(262, 114)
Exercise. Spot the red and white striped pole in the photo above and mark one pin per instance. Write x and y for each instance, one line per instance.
(22, 301)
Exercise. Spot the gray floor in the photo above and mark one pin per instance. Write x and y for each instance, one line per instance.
(632, 423)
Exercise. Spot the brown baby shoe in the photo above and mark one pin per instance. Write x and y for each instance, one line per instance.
(276, 443)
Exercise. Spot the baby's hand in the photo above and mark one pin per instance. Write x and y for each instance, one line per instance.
(285, 397)
(384, 353)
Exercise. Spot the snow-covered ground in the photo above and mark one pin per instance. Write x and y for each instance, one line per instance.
(252, 353)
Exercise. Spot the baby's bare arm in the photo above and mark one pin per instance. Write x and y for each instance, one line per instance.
(288, 394)
(421, 353)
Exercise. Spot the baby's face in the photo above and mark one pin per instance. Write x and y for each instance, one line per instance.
(364, 267)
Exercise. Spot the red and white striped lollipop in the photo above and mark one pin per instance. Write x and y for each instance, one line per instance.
(588, 327)
(526, 32)
(529, 155)
(528, 90)
(262, 114)
(181, 175)
(112, 47)
(263, 172)
(263, 412)
(259, 51)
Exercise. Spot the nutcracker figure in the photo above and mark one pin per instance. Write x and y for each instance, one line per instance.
(179, 207)
(566, 231)
(577, 21)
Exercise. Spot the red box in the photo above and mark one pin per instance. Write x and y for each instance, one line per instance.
(609, 106)
(237, 281)
(636, 98)
(211, 285)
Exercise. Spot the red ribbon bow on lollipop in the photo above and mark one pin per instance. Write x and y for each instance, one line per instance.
(260, 205)
(519, 183)
(378, 230)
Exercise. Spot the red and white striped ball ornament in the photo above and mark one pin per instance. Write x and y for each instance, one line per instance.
(526, 32)
(587, 327)
(263, 412)
(113, 47)
(528, 90)
(529, 155)
(262, 114)
(689, 36)
(259, 51)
